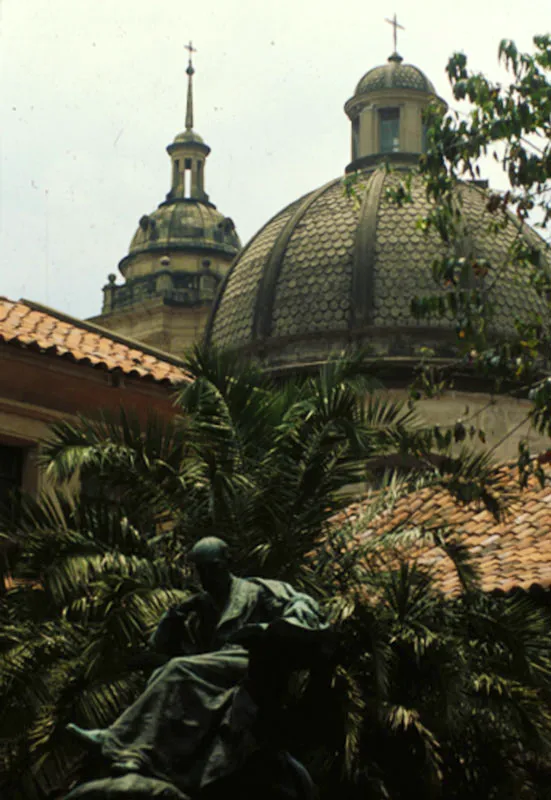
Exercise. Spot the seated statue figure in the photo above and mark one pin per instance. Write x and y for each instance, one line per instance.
(203, 714)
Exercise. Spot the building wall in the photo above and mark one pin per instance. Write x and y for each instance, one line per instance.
(37, 390)
(173, 329)
(503, 420)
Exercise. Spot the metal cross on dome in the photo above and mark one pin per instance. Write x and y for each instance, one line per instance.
(395, 24)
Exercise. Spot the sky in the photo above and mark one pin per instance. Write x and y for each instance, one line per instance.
(92, 91)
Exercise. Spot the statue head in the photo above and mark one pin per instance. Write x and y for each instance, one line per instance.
(210, 550)
(211, 557)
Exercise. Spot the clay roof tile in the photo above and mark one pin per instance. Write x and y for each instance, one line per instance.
(29, 325)
(512, 552)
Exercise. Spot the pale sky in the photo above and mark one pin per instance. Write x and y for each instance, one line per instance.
(93, 91)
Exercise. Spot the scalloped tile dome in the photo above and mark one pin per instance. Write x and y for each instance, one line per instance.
(394, 75)
(327, 270)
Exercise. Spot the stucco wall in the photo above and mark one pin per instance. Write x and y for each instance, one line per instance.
(503, 420)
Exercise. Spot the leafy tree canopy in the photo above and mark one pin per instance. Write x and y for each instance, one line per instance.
(511, 123)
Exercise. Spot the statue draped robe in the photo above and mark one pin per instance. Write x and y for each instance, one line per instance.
(193, 723)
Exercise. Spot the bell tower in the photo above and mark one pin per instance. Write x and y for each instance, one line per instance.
(178, 255)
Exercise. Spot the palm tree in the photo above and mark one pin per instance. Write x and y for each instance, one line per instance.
(266, 465)
(433, 696)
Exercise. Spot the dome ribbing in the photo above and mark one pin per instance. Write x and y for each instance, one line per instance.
(328, 270)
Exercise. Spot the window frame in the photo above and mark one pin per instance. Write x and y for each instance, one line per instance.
(389, 114)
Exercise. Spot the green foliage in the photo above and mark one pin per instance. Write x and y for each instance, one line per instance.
(90, 589)
(512, 124)
(460, 687)
(415, 678)
(453, 689)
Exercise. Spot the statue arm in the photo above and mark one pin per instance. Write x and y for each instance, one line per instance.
(284, 613)
(283, 602)
(172, 629)
(187, 628)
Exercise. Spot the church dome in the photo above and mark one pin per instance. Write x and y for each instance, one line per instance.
(184, 225)
(394, 75)
(338, 267)
(331, 269)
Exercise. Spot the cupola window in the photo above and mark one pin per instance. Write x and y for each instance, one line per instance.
(389, 130)
(187, 177)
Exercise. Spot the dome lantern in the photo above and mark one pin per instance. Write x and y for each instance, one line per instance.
(386, 112)
(188, 152)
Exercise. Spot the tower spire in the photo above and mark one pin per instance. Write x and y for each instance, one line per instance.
(188, 152)
(190, 72)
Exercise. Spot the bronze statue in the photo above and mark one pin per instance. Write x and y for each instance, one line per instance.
(207, 715)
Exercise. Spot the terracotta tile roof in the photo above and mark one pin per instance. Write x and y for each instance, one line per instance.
(512, 552)
(27, 324)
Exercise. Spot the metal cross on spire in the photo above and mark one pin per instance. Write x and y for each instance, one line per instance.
(189, 108)
(395, 24)
(191, 49)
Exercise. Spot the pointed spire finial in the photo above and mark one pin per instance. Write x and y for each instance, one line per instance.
(395, 24)
(190, 72)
